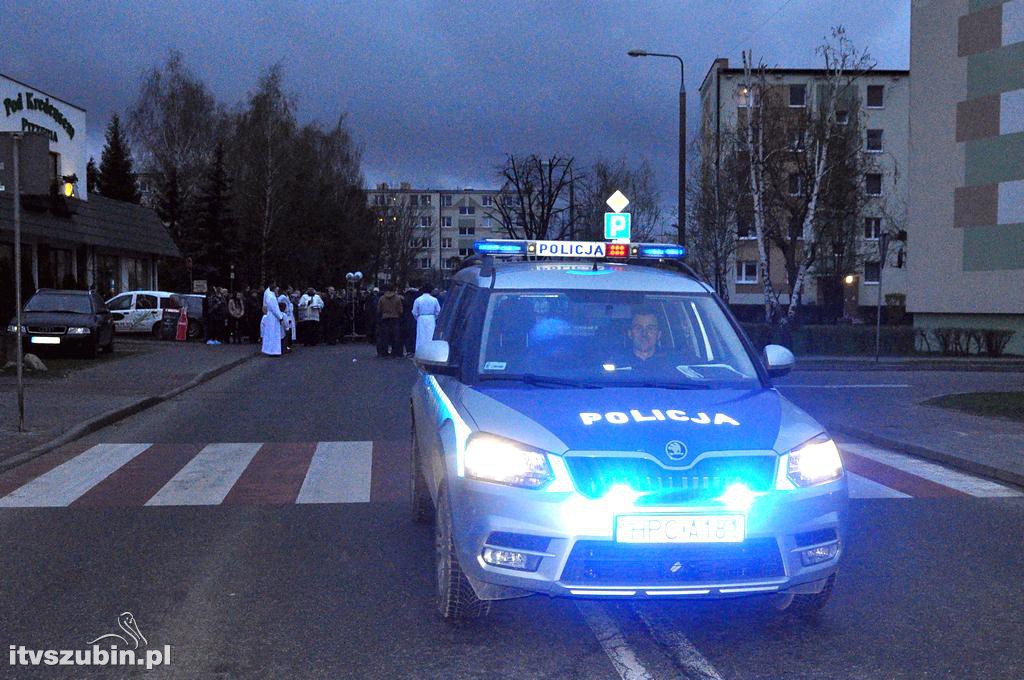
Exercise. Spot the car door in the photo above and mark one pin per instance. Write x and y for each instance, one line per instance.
(145, 312)
(120, 307)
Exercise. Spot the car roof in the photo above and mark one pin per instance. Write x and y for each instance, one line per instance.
(576, 275)
(61, 291)
(158, 293)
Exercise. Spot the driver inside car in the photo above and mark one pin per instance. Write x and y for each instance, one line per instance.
(645, 353)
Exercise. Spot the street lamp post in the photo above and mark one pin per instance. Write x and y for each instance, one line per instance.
(681, 226)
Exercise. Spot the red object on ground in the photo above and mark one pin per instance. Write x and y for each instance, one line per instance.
(182, 333)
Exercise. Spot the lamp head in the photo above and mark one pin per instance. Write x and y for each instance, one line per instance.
(637, 53)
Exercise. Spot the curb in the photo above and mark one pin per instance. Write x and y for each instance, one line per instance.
(825, 365)
(948, 459)
(110, 417)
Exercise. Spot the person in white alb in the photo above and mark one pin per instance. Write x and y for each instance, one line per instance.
(310, 305)
(288, 323)
(425, 310)
(272, 324)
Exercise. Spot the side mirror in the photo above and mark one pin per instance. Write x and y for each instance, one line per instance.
(779, 360)
(433, 354)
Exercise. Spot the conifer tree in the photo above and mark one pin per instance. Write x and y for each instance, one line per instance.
(215, 223)
(117, 178)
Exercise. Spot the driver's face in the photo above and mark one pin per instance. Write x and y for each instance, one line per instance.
(644, 333)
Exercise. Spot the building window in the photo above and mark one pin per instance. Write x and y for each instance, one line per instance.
(872, 228)
(842, 117)
(467, 210)
(423, 263)
(414, 200)
(876, 96)
(746, 271)
(874, 141)
(796, 185)
(465, 252)
(450, 263)
(138, 273)
(798, 96)
(378, 199)
(425, 199)
(510, 201)
(446, 200)
(446, 242)
(446, 221)
(426, 221)
(485, 222)
(873, 182)
(744, 97)
(871, 271)
(62, 269)
(487, 200)
(467, 231)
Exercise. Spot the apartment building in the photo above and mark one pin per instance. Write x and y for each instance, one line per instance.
(883, 105)
(966, 216)
(449, 220)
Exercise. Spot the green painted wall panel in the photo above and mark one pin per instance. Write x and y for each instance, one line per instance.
(995, 71)
(994, 159)
(995, 248)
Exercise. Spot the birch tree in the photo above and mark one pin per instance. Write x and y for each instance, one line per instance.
(715, 215)
(797, 158)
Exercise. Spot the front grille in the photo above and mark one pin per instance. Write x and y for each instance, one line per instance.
(55, 330)
(604, 563)
(708, 478)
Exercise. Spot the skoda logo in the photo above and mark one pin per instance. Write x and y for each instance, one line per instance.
(675, 450)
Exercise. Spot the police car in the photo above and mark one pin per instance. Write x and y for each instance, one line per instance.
(602, 428)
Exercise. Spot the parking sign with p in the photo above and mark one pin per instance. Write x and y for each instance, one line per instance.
(616, 226)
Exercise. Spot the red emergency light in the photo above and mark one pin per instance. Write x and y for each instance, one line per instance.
(617, 250)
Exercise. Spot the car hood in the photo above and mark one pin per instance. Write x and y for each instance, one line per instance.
(641, 419)
(56, 319)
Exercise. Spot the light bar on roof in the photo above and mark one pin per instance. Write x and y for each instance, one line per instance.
(496, 247)
(592, 250)
(658, 250)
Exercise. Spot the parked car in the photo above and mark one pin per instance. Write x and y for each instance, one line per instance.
(193, 308)
(72, 320)
(140, 311)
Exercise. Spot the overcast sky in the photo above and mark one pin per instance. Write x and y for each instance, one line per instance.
(438, 92)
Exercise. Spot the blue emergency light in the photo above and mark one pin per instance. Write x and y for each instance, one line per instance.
(570, 249)
(500, 247)
(659, 250)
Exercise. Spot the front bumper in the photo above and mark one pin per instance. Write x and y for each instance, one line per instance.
(570, 540)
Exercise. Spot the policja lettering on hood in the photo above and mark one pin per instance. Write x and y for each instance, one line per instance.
(621, 418)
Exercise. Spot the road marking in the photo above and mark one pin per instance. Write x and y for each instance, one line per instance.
(862, 487)
(842, 387)
(338, 473)
(614, 644)
(693, 664)
(969, 484)
(66, 482)
(208, 477)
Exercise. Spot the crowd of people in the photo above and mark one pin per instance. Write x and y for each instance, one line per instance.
(280, 318)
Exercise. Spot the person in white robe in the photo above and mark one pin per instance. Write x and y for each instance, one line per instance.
(425, 310)
(271, 326)
(289, 320)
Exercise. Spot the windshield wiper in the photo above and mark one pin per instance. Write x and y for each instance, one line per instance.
(663, 384)
(543, 380)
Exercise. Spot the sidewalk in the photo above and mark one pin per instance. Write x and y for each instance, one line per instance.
(88, 397)
(811, 362)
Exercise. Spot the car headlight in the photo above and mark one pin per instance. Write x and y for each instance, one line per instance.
(79, 330)
(816, 462)
(13, 328)
(493, 459)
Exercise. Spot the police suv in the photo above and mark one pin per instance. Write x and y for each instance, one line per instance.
(602, 427)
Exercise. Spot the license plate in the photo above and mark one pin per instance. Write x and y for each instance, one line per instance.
(44, 340)
(680, 528)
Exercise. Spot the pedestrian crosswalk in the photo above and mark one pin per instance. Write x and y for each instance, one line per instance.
(276, 473)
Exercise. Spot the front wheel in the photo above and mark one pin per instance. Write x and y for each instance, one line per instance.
(456, 599)
(807, 606)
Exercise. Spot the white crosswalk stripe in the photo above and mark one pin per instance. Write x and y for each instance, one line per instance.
(208, 477)
(65, 483)
(862, 487)
(338, 473)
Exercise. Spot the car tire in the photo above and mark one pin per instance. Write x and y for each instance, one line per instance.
(91, 349)
(456, 599)
(422, 505)
(157, 331)
(807, 606)
(109, 347)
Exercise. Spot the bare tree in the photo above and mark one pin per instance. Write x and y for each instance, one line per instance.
(604, 178)
(717, 216)
(804, 165)
(397, 237)
(534, 200)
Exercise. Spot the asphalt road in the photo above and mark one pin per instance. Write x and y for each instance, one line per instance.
(251, 588)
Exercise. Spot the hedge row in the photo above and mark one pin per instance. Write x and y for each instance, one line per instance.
(894, 341)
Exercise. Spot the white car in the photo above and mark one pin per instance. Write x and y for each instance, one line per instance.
(139, 311)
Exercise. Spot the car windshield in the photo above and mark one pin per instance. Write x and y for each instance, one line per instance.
(59, 302)
(606, 338)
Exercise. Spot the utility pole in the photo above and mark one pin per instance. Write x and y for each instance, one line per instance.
(17, 283)
(883, 250)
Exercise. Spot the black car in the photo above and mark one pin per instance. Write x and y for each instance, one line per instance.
(193, 308)
(66, 320)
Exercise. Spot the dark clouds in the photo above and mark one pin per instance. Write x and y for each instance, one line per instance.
(437, 92)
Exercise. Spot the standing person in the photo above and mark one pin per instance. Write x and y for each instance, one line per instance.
(289, 321)
(312, 303)
(217, 316)
(253, 315)
(425, 309)
(334, 311)
(236, 310)
(272, 323)
(389, 307)
(409, 321)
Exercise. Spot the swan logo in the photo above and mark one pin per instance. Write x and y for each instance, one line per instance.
(126, 622)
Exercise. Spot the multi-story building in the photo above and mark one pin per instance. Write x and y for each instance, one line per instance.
(966, 216)
(883, 105)
(449, 221)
